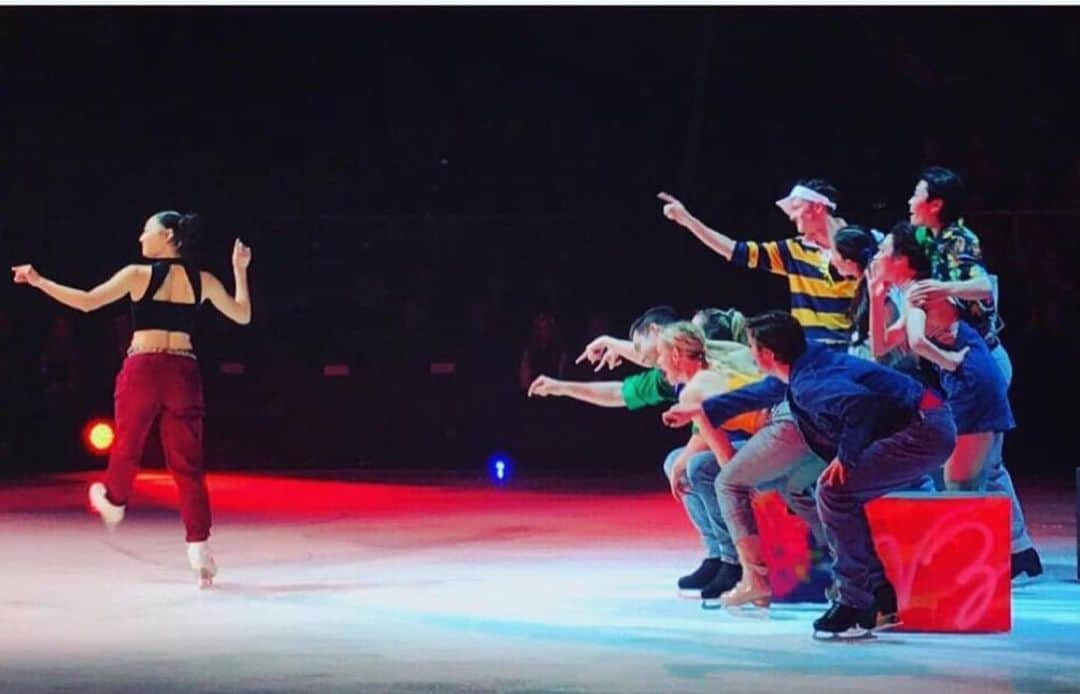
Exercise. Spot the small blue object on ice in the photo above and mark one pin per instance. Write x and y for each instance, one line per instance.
(500, 468)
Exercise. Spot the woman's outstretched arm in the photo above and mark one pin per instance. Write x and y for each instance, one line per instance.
(112, 289)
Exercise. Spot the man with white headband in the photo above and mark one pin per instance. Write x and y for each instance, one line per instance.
(801, 192)
(820, 296)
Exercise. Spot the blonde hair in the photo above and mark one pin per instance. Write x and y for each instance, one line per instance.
(722, 356)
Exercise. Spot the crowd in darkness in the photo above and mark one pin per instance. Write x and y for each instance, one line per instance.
(440, 352)
(450, 202)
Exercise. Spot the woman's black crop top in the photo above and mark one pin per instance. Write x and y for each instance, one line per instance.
(174, 316)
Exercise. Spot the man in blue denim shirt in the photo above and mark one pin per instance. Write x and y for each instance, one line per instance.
(880, 428)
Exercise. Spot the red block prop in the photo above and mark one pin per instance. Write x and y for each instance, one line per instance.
(946, 554)
(948, 557)
(796, 570)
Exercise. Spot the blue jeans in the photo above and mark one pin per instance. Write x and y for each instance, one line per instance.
(890, 464)
(701, 506)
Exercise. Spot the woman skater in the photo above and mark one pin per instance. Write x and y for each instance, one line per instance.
(160, 377)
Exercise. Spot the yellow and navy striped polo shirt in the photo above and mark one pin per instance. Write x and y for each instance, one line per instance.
(820, 297)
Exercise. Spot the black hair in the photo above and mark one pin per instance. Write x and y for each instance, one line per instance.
(858, 245)
(820, 185)
(186, 229)
(911, 242)
(657, 315)
(780, 333)
(946, 185)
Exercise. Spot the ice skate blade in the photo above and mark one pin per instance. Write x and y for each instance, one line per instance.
(711, 604)
(855, 633)
(887, 625)
(747, 610)
(206, 579)
(737, 601)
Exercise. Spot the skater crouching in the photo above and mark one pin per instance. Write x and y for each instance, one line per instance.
(881, 429)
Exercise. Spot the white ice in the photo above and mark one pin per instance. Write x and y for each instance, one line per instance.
(478, 600)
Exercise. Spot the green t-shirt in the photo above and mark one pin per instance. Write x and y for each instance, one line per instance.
(647, 389)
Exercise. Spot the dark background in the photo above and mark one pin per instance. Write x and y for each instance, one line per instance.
(418, 183)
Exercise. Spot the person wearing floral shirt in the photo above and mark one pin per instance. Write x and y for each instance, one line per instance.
(957, 271)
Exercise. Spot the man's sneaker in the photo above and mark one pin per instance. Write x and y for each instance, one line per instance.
(844, 621)
(110, 513)
(886, 609)
(1026, 562)
(702, 575)
(202, 563)
(726, 578)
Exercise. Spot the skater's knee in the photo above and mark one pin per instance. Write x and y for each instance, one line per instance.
(702, 469)
(669, 461)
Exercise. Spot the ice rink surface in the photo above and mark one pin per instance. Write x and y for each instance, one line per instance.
(360, 586)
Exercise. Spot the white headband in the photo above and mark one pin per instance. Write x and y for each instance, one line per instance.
(804, 193)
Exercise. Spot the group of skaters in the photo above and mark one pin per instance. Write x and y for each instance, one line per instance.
(886, 374)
